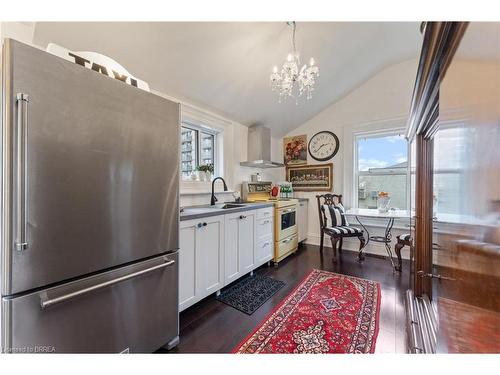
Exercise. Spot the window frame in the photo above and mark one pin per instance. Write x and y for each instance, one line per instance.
(459, 170)
(355, 166)
(201, 128)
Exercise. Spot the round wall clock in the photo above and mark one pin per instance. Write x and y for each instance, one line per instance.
(323, 145)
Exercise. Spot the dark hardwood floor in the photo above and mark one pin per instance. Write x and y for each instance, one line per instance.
(213, 327)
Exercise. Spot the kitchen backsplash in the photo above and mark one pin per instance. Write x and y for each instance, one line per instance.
(195, 199)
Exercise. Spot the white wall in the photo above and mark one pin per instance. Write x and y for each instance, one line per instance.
(234, 135)
(381, 102)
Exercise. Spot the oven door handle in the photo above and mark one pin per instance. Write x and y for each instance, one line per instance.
(45, 301)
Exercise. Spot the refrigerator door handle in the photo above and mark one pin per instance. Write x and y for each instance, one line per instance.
(21, 242)
(45, 301)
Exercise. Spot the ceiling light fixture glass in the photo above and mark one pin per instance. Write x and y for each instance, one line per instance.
(290, 81)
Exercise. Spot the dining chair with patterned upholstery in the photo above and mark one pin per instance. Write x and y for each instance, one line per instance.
(333, 223)
(402, 241)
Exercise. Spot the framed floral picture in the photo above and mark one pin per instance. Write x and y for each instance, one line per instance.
(317, 177)
(295, 150)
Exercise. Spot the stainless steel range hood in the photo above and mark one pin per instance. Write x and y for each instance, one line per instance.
(259, 149)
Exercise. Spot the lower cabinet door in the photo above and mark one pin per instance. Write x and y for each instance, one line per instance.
(187, 263)
(246, 242)
(201, 257)
(209, 270)
(232, 269)
(239, 245)
(302, 222)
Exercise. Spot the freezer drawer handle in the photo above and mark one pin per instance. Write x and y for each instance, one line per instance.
(46, 302)
(21, 242)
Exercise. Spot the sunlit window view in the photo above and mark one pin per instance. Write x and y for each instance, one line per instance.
(449, 159)
(197, 149)
(382, 167)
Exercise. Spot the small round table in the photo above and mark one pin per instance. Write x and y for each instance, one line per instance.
(391, 215)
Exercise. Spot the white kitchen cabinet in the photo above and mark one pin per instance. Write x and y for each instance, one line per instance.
(187, 263)
(240, 238)
(264, 228)
(264, 251)
(201, 259)
(302, 220)
(264, 248)
(217, 250)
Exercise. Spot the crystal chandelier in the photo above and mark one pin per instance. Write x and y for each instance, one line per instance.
(292, 82)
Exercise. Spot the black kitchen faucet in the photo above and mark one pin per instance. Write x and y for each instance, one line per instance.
(214, 198)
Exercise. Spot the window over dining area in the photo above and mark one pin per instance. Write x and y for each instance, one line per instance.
(381, 165)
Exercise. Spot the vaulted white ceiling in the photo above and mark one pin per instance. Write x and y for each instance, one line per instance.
(225, 66)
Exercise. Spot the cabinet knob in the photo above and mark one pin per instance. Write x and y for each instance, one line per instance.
(199, 225)
(243, 217)
(204, 224)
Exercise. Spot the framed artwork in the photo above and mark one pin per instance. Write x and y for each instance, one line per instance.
(317, 177)
(295, 150)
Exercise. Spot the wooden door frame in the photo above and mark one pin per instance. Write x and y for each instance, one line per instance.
(423, 215)
(441, 40)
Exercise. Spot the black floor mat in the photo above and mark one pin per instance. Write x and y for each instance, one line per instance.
(250, 293)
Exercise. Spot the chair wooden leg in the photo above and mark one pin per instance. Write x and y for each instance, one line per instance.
(341, 241)
(397, 250)
(334, 246)
(362, 243)
(321, 239)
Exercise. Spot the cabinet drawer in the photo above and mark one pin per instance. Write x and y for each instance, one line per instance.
(264, 251)
(286, 246)
(138, 314)
(266, 212)
(264, 228)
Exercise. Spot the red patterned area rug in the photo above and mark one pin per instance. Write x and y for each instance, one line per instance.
(326, 313)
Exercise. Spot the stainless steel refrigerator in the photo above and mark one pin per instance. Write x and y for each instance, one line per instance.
(90, 209)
